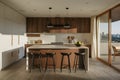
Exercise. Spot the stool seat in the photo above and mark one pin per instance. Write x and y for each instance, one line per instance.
(83, 53)
(43, 55)
(50, 54)
(64, 54)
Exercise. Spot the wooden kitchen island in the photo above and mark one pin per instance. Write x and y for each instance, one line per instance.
(58, 49)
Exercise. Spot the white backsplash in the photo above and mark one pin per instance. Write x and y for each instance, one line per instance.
(47, 38)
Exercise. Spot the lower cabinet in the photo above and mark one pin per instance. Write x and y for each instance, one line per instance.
(21, 52)
(11, 56)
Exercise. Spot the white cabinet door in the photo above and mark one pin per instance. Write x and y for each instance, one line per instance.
(9, 57)
(14, 55)
(6, 58)
(21, 52)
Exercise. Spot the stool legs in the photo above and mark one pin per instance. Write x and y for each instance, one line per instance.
(54, 63)
(40, 64)
(32, 61)
(46, 64)
(69, 66)
(53, 60)
(76, 62)
(31, 64)
(84, 63)
(69, 63)
(79, 61)
(61, 63)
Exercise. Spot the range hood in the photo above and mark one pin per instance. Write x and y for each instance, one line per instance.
(58, 25)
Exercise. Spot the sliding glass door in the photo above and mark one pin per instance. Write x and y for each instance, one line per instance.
(108, 37)
(115, 35)
(116, 43)
(103, 36)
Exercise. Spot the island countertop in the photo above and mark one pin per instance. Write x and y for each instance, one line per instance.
(56, 47)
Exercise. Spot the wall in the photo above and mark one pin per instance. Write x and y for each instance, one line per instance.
(12, 30)
(46, 38)
(85, 37)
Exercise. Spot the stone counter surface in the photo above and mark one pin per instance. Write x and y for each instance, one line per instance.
(56, 47)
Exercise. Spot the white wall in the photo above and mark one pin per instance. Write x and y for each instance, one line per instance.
(85, 37)
(46, 38)
(12, 30)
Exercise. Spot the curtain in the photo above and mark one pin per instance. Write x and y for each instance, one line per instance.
(93, 37)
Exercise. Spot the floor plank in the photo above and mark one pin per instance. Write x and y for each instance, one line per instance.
(98, 71)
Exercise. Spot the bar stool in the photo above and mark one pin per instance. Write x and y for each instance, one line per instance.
(33, 56)
(79, 60)
(50, 55)
(42, 56)
(68, 57)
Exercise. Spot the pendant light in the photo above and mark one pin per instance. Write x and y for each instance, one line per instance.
(67, 25)
(49, 21)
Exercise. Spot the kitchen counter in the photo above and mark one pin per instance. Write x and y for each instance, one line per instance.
(58, 49)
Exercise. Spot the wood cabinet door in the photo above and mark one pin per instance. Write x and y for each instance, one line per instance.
(32, 25)
(39, 25)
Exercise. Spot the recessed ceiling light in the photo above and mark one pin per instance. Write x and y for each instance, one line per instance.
(50, 7)
(67, 8)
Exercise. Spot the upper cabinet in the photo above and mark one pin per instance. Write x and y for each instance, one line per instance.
(58, 25)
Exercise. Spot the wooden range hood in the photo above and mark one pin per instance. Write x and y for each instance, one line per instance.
(58, 23)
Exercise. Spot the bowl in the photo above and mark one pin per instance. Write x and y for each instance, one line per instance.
(78, 45)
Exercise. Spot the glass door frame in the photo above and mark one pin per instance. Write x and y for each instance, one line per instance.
(109, 37)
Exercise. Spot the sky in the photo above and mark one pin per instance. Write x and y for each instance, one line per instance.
(115, 27)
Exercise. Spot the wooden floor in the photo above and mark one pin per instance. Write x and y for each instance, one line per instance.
(98, 71)
(115, 63)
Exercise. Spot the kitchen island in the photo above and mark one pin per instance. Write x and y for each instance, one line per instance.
(58, 49)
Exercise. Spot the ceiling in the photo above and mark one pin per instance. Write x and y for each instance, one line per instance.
(77, 8)
(115, 13)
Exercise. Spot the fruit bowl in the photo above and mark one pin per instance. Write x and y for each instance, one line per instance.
(78, 43)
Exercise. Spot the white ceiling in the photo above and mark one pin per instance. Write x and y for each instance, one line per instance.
(115, 14)
(77, 8)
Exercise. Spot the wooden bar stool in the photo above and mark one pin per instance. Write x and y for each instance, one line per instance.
(50, 55)
(68, 57)
(79, 60)
(42, 57)
(32, 56)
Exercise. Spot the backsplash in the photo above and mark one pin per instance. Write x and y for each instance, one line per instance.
(47, 38)
(77, 37)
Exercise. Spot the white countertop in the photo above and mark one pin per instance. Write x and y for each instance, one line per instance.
(56, 47)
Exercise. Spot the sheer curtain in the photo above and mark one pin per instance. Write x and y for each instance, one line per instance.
(93, 39)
